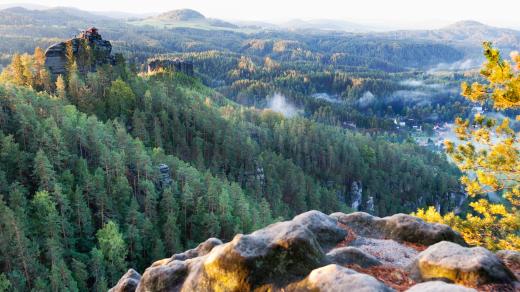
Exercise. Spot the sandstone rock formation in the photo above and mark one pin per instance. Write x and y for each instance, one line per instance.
(177, 65)
(316, 252)
(439, 286)
(349, 255)
(127, 283)
(89, 49)
(336, 278)
(509, 256)
(202, 249)
(399, 227)
(466, 266)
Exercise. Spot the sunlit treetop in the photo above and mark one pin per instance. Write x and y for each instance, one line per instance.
(503, 86)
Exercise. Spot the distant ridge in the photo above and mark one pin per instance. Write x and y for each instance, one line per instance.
(466, 33)
(30, 6)
(181, 15)
(465, 23)
(187, 18)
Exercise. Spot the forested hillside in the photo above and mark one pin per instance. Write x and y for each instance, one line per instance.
(80, 167)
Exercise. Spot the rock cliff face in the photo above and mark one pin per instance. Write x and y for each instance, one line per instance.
(89, 50)
(340, 252)
(177, 65)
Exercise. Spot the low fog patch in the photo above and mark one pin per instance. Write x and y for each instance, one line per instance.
(327, 97)
(412, 83)
(279, 104)
(461, 65)
(366, 99)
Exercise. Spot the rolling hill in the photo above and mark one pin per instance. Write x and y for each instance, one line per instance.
(185, 18)
(466, 34)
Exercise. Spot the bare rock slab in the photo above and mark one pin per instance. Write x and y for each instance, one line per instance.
(439, 286)
(352, 256)
(387, 251)
(334, 278)
(461, 265)
(127, 283)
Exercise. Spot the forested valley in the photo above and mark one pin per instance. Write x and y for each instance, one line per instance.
(117, 167)
(80, 166)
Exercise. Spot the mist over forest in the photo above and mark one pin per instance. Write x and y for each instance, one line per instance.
(172, 151)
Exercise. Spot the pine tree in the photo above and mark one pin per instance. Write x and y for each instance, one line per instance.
(133, 232)
(97, 270)
(18, 253)
(43, 171)
(61, 87)
(170, 228)
(82, 218)
(50, 232)
(28, 74)
(120, 100)
(5, 284)
(113, 249)
(45, 80)
(102, 201)
(492, 167)
(17, 70)
(80, 274)
(150, 200)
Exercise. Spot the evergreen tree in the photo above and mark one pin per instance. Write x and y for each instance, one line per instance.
(495, 166)
(113, 248)
(43, 171)
(17, 70)
(61, 90)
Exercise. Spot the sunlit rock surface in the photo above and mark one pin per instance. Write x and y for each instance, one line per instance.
(337, 252)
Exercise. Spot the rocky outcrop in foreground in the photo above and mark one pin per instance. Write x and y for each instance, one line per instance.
(340, 252)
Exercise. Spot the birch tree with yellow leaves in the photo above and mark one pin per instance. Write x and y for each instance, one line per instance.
(489, 157)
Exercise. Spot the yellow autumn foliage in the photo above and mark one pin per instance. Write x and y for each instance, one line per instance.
(490, 159)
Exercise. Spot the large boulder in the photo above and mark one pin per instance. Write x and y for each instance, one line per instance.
(127, 283)
(325, 228)
(275, 255)
(361, 223)
(461, 265)
(167, 277)
(352, 256)
(399, 227)
(408, 228)
(202, 249)
(334, 278)
(439, 286)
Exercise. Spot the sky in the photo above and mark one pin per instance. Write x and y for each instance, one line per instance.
(405, 13)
